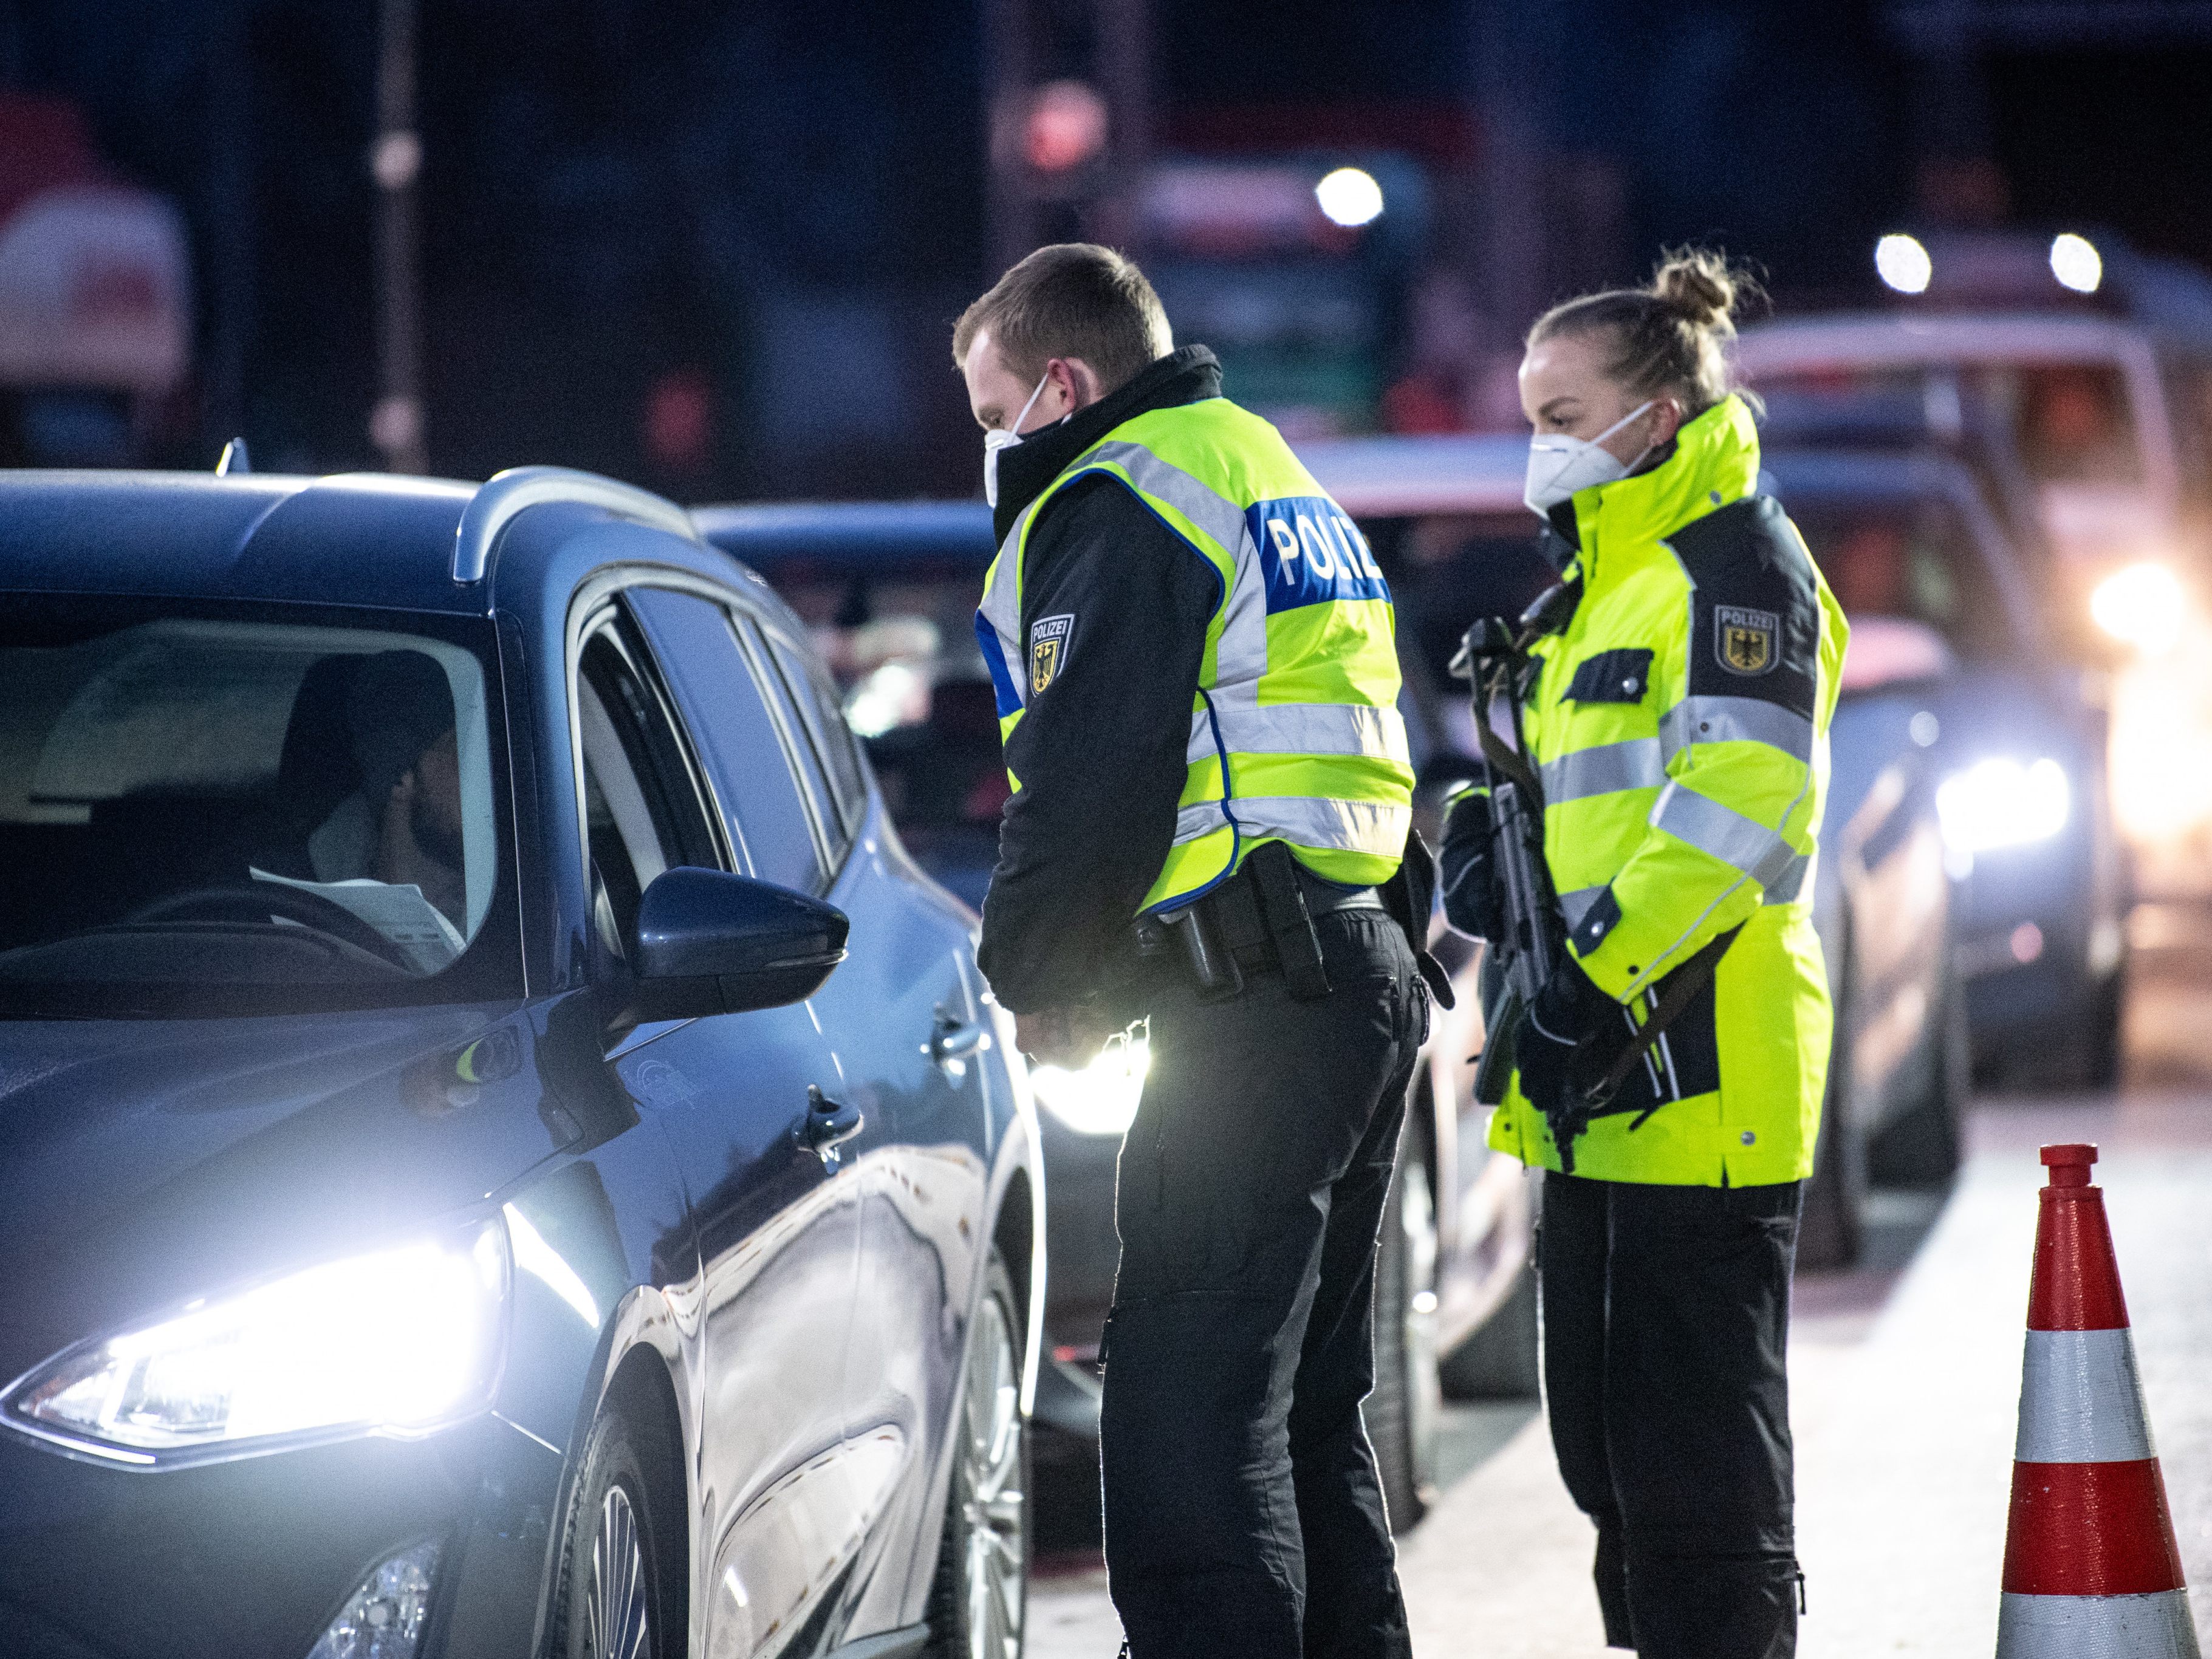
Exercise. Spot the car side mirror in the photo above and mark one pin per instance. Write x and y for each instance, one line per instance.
(708, 942)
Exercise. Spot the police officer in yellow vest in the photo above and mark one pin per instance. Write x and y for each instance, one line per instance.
(1679, 722)
(1192, 652)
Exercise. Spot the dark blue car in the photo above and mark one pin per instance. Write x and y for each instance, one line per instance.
(501, 1151)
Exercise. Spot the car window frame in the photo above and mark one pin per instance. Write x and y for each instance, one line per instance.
(605, 588)
(597, 609)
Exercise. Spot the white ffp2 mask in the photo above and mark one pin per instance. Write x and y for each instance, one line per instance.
(1005, 438)
(1559, 466)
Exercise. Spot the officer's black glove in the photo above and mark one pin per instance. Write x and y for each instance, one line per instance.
(1562, 1037)
(1469, 868)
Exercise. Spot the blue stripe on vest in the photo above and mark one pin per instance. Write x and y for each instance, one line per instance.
(1311, 554)
(1002, 683)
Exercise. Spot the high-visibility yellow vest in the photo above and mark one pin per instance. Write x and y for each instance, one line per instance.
(1680, 721)
(1295, 734)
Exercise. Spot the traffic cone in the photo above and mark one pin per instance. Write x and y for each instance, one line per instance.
(2091, 1571)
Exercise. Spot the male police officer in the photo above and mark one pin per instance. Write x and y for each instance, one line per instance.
(1193, 652)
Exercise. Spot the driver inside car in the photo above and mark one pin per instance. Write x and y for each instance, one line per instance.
(402, 825)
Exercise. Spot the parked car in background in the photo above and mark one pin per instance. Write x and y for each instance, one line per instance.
(2111, 418)
(889, 591)
(504, 1153)
(1445, 518)
(1945, 615)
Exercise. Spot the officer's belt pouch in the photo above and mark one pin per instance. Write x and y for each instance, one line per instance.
(1410, 896)
(1273, 873)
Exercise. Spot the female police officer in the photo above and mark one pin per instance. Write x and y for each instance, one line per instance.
(1678, 722)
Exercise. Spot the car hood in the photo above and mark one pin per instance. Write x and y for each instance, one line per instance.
(146, 1162)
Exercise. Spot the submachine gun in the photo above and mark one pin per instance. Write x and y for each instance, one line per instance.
(1494, 657)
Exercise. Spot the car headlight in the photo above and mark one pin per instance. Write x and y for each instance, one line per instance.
(2141, 605)
(1100, 1098)
(2000, 802)
(401, 1341)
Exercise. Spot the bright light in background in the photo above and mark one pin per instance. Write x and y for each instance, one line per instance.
(1902, 264)
(895, 694)
(402, 1340)
(1101, 1099)
(1350, 197)
(2076, 263)
(2141, 605)
(2000, 802)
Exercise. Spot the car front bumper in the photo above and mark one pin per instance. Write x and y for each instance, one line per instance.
(251, 1559)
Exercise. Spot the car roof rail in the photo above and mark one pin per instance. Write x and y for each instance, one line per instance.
(507, 495)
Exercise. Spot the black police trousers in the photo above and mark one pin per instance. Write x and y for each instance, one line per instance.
(1666, 1325)
(1242, 1511)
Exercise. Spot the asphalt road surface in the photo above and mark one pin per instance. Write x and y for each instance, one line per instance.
(1905, 1380)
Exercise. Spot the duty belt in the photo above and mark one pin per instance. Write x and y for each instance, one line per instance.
(1258, 921)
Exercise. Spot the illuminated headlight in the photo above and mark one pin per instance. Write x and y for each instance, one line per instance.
(2141, 605)
(2000, 802)
(397, 1342)
(1100, 1099)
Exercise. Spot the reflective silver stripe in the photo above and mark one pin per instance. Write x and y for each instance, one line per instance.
(1738, 841)
(1789, 886)
(1002, 606)
(1300, 728)
(1575, 905)
(2154, 1626)
(1241, 655)
(1349, 826)
(1603, 770)
(1735, 719)
(2080, 1399)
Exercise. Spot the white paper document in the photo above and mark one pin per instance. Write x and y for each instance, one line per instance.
(400, 913)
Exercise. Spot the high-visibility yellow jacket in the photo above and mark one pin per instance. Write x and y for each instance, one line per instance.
(1681, 722)
(1295, 735)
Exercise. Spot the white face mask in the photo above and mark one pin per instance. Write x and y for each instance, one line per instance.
(1559, 467)
(1005, 438)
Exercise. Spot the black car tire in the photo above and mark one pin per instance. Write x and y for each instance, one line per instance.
(621, 1554)
(1503, 1359)
(1922, 1147)
(1830, 1233)
(2100, 1039)
(1401, 1413)
(978, 1601)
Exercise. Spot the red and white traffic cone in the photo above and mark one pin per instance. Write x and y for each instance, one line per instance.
(2091, 1571)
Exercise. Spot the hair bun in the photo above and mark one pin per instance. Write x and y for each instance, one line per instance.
(1701, 287)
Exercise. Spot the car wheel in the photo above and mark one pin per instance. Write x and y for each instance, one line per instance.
(1502, 1360)
(1401, 1413)
(2101, 1040)
(978, 1604)
(620, 1591)
(1922, 1148)
(1828, 1236)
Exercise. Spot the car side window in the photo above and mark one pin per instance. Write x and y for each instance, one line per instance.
(769, 652)
(642, 813)
(749, 745)
(821, 711)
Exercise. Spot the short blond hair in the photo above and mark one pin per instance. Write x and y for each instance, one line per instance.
(1071, 300)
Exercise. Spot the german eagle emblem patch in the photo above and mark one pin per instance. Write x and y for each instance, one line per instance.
(1746, 641)
(1049, 637)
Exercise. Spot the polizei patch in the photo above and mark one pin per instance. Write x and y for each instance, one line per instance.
(1746, 641)
(1049, 637)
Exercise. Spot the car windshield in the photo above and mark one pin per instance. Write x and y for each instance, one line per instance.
(902, 644)
(1911, 580)
(202, 809)
(2069, 422)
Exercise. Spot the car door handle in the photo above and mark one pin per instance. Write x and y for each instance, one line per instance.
(829, 1126)
(951, 1040)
